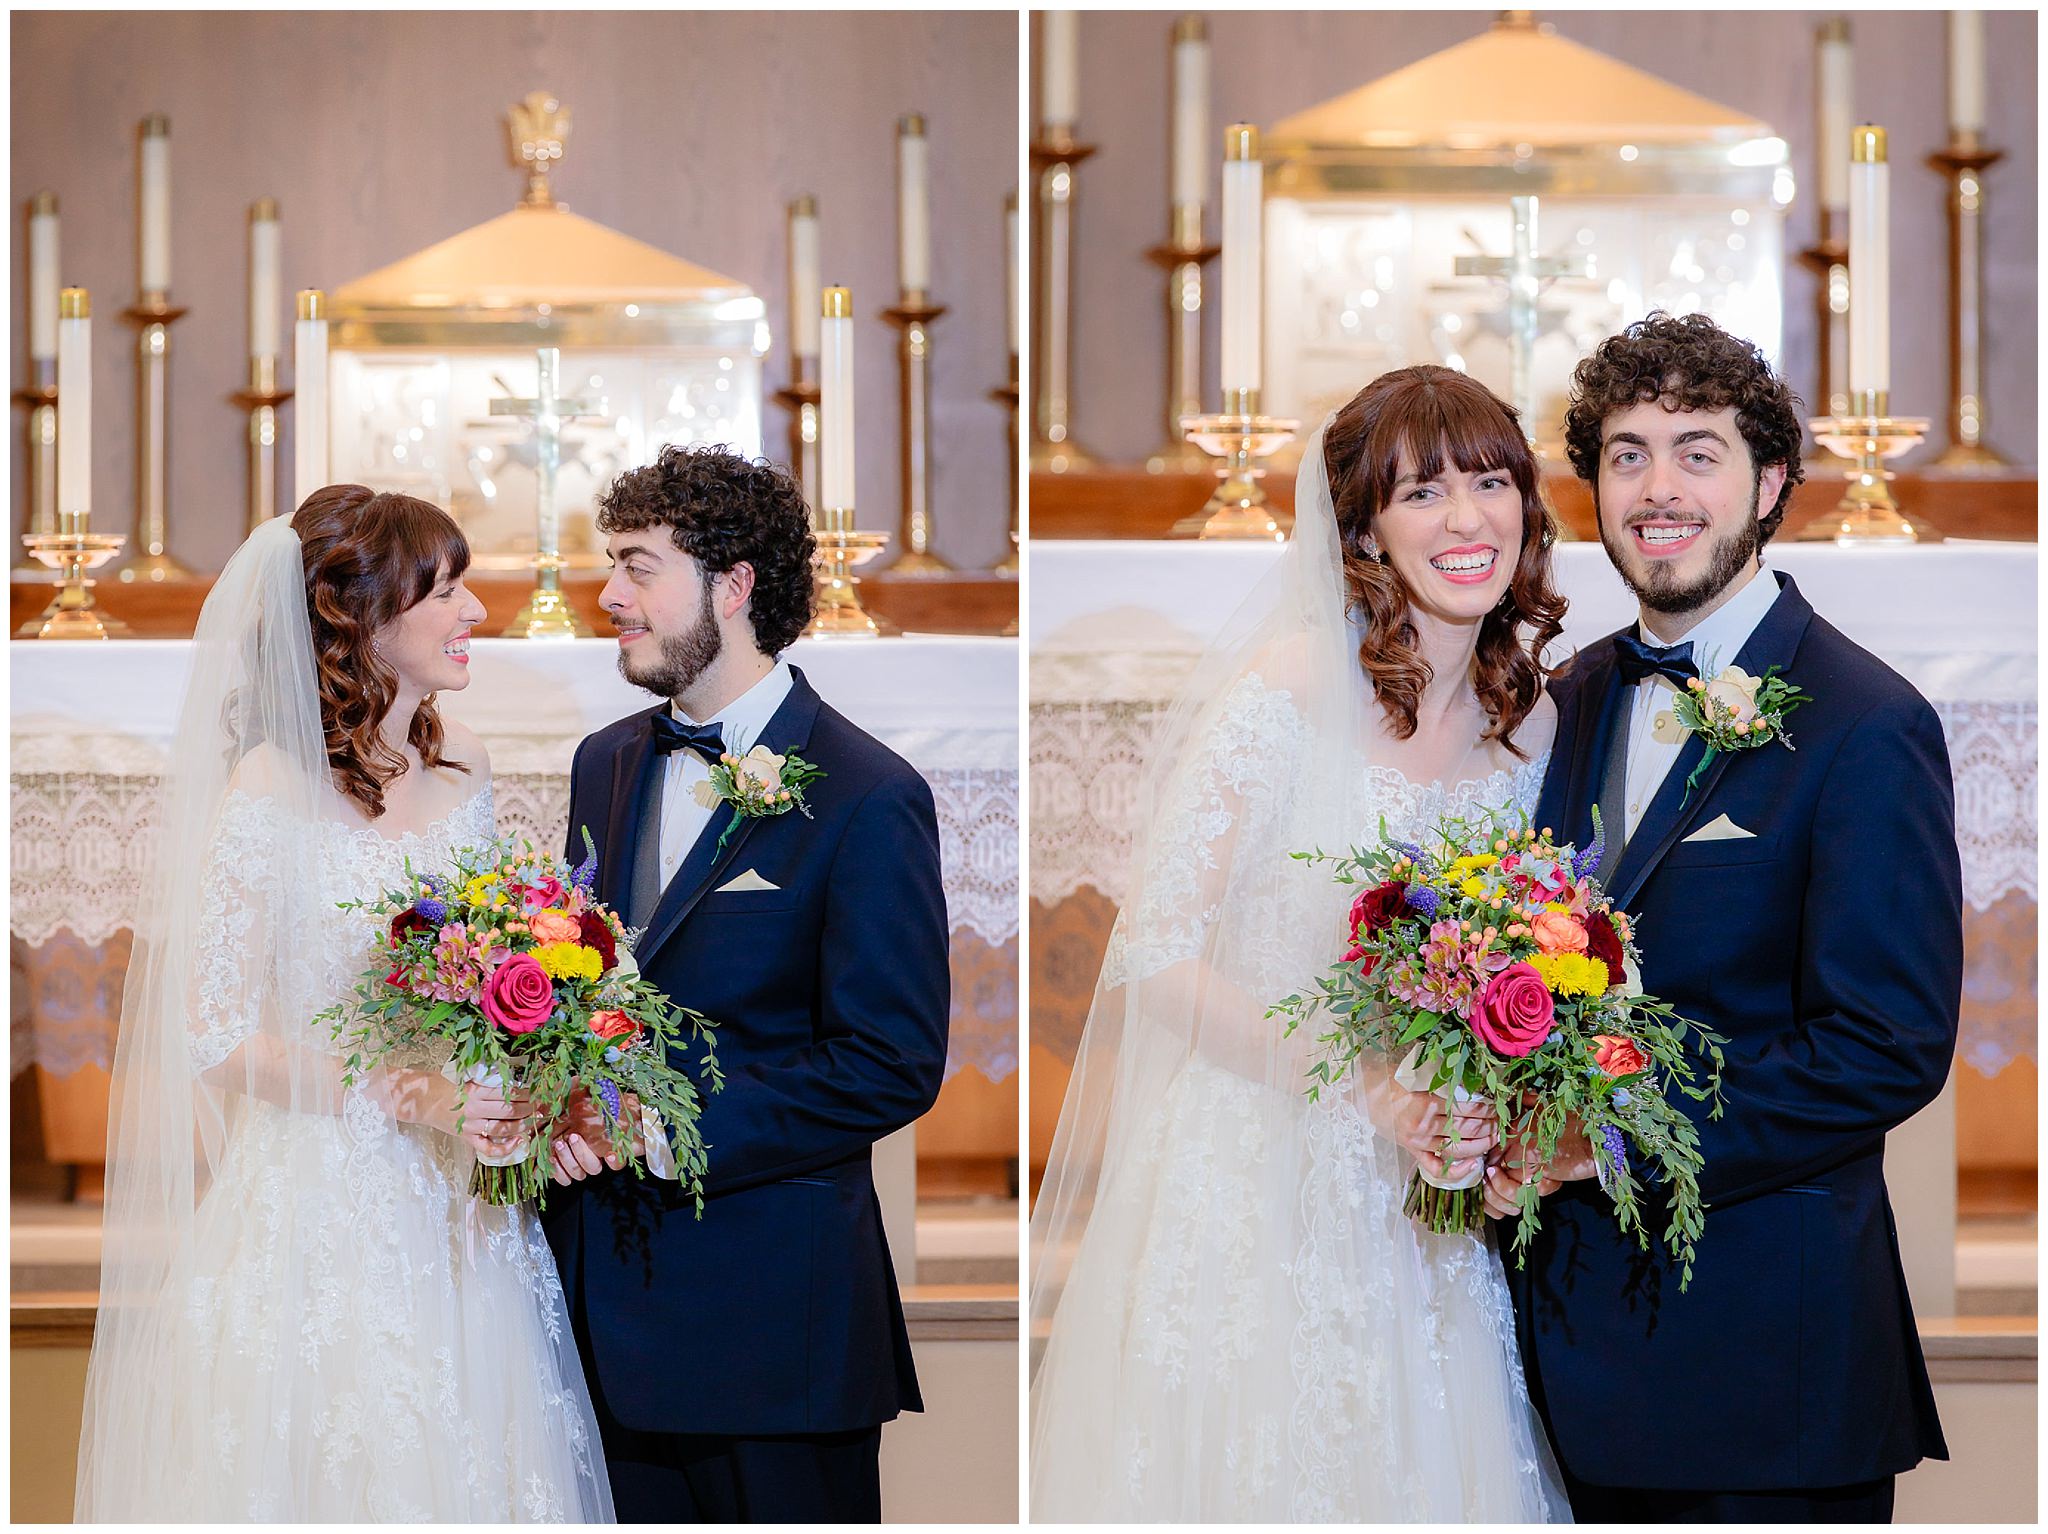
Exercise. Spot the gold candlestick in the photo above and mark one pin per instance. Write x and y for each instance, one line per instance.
(1007, 396)
(39, 515)
(800, 399)
(152, 316)
(1865, 438)
(1240, 435)
(1964, 162)
(1828, 259)
(913, 316)
(1053, 447)
(1182, 258)
(842, 548)
(261, 400)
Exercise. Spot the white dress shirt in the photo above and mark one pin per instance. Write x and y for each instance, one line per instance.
(740, 722)
(1716, 640)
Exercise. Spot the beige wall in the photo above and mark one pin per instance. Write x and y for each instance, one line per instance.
(1269, 65)
(381, 133)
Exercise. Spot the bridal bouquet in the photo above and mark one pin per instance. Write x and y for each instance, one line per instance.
(507, 962)
(1498, 971)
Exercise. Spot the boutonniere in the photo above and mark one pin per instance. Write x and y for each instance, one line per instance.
(1730, 711)
(756, 785)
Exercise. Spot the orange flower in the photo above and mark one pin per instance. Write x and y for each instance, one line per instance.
(554, 927)
(1559, 932)
(1618, 1056)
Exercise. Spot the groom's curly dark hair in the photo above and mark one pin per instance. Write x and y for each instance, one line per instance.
(725, 510)
(1686, 364)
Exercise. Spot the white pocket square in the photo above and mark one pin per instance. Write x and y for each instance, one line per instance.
(753, 881)
(1719, 829)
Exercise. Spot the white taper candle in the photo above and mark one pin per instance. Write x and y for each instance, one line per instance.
(1837, 113)
(1870, 347)
(1966, 71)
(1190, 113)
(803, 275)
(309, 383)
(42, 277)
(266, 279)
(1242, 186)
(835, 400)
(1060, 52)
(1010, 270)
(74, 409)
(156, 204)
(913, 205)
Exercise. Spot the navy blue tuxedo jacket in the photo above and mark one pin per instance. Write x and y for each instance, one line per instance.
(777, 1312)
(1827, 948)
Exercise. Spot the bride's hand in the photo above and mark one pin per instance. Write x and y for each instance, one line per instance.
(491, 1121)
(1423, 1124)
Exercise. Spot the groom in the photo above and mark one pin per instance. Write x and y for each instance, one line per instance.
(742, 1365)
(1806, 905)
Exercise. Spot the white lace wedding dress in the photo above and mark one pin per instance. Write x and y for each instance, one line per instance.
(1248, 1327)
(359, 1340)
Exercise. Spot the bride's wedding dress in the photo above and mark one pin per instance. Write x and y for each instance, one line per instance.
(1237, 1320)
(304, 1316)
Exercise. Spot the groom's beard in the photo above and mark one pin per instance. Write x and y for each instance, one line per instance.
(684, 656)
(1661, 588)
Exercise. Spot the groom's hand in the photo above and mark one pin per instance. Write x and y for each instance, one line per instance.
(577, 1137)
(1517, 1166)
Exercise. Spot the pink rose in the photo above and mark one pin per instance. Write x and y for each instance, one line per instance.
(1558, 932)
(1515, 1014)
(543, 893)
(553, 927)
(518, 996)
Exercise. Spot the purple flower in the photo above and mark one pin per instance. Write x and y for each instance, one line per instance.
(1423, 901)
(1617, 1145)
(1588, 860)
(584, 875)
(609, 1091)
(435, 911)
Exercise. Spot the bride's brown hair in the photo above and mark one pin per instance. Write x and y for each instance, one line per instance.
(369, 556)
(1438, 414)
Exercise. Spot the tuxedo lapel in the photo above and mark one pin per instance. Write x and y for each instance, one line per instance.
(1595, 704)
(630, 767)
(1773, 643)
(789, 729)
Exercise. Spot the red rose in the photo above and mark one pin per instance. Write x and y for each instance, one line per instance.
(1515, 1013)
(614, 1025)
(597, 933)
(1375, 909)
(1356, 952)
(407, 922)
(1618, 1056)
(1604, 943)
(518, 996)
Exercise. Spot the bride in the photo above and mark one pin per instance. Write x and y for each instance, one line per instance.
(303, 1314)
(1239, 1323)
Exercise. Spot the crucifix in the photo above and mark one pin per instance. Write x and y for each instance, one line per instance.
(1525, 273)
(547, 614)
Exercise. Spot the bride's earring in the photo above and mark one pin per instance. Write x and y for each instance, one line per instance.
(1370, 547)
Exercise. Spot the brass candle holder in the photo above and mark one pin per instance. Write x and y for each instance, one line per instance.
(1240, 435)
(842, 548)
(152, 316)
(1864, 439)
(39, 399)
(1007, 395)
(1964, 162)
(913, 317)
(800, 399)
(1828, 259)
(261, 400)
(1053, 447)
(1182, 258)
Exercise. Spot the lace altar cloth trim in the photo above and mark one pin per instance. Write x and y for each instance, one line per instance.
(84, 817)
(1087, 759)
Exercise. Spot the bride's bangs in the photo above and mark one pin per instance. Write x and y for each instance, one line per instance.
(1435, 417)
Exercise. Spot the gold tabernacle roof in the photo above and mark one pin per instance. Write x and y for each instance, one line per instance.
(534, 256)
(1517, 83)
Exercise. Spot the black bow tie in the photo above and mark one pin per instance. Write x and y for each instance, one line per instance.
(1638, 660)
(671, 734)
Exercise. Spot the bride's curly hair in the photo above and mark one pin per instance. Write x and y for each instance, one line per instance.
(370, 555)
(1438, 414)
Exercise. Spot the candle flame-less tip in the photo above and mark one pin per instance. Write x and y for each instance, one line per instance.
(1835, 30)
(312, 304)
(263, 211)
(74, 304)
(805, 206)
(156, 125)
(910, 125)
(1241, 142)
(837, 303)
(43, 204)
(1867, 145)
(1190, 29)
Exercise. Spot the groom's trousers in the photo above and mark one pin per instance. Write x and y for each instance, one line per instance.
(708, 1478)
(1865, 1502)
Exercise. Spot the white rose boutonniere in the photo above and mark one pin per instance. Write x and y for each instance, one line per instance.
(1732, 711)
(756, 785)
